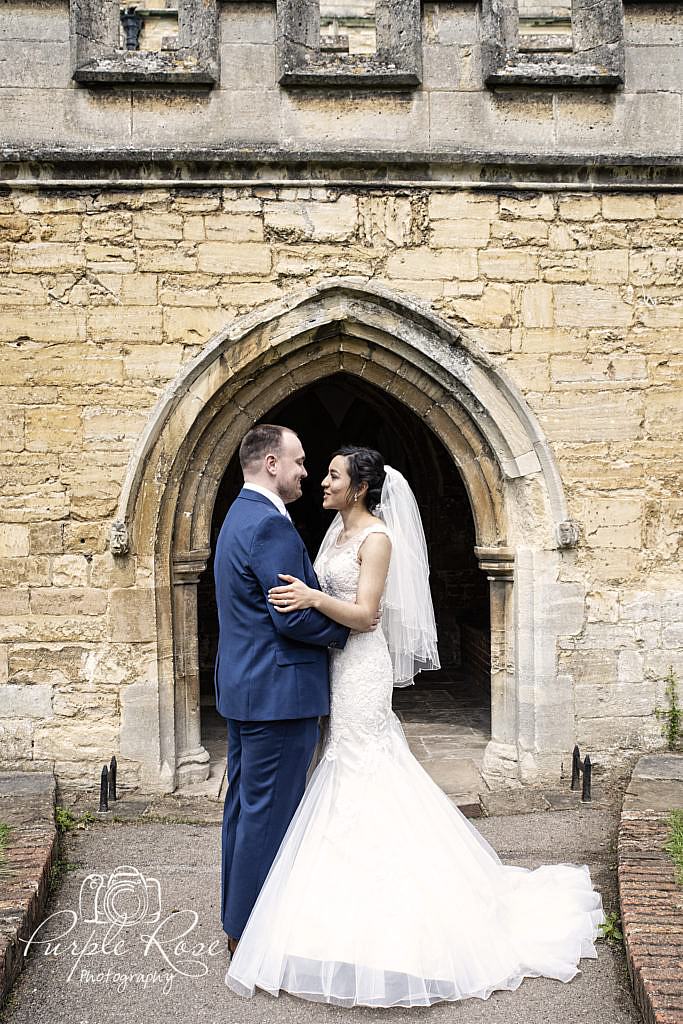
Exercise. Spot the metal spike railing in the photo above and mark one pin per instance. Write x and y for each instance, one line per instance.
(579, 768)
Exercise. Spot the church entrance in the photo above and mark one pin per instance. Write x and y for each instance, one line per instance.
(348, 361)
(446, 716)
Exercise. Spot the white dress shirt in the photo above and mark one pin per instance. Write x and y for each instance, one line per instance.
(275, 498)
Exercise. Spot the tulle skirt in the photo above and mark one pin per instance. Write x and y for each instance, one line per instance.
(383, 894)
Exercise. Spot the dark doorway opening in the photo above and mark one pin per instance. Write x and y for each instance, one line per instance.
(343, 409)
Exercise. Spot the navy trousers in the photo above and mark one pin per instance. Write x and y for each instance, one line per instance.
(267, 765)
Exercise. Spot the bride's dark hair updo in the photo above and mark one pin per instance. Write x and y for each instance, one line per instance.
(365, 465)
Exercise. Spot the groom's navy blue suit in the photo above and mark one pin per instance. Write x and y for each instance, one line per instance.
(272, 683)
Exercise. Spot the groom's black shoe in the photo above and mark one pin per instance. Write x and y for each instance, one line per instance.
(232, 945)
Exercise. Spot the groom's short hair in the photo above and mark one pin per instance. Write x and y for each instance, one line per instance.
(261, 440)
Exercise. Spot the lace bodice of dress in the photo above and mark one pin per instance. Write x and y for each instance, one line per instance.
(338, 568)
(361, 675)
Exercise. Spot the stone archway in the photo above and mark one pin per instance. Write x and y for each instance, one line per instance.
(508, 469)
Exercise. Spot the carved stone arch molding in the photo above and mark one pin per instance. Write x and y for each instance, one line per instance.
(508, 468)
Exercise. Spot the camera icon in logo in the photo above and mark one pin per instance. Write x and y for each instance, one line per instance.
(122, 898)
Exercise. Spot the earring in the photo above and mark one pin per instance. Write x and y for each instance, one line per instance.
(355, 497)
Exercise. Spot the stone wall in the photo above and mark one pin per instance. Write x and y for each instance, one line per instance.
(148, 200)
(105, 294)
(451, 113)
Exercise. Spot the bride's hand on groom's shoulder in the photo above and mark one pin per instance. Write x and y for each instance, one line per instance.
(293, 595)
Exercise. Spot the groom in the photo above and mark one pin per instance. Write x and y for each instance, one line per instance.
(271, 672)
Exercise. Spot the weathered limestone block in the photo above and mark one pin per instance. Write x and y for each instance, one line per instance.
(16, 746)
(423, 264)
(492, 309)
(13, 227)
(558, 340)
(503, 265)
(53, 428)
(107, 571)
(80, 704)
(664, 413)
(67, 740)
(613, 522)
(598, 372)
(13, 601)
(530, 373)
(460, 234)
(47, 257)
(234, 258)
(52, 365)
(56, 664)
(388, 220)
(110, 258)
(120, 665)
(670, 206)
(672, 605)
(22, 290)
(14, 540)
(631, 667)
(626, 699)
(111, 428)
(87, 538)
(537, 305)
(193, 324)
(153, 362)
(232, 227)
(579, 207)
(168, 258)
(131, 289)
(42, 324)
(324, 222)
(614, 733)
(33, 701)
(628, 207)
(462, 206)
(662, 267)
(586, 306)
(61, 227)
(68, 601)
(124, 323)
(519, 232)
(138, 707)
(539, 207)
(132, 615)
(155, 226)
(639, 605)
(70, 571)
(602, 605)
(608, 267)
(594, 667)
(672, 636)
(12, 430)
(115, 224)
(589, 417)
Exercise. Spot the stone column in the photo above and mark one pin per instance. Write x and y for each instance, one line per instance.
(501, 759)
(192, 760)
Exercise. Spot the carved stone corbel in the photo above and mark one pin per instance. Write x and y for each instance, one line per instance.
(119, 541)
(497, 563)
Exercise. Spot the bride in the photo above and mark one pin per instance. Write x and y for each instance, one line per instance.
(382, 893)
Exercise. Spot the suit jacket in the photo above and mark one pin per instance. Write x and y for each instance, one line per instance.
(269, 665)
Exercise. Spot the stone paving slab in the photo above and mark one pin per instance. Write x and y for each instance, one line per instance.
(651, 899)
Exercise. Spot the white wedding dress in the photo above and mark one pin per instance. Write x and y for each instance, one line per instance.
(382, 893)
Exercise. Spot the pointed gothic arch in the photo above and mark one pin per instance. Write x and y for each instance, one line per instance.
(508, 468)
